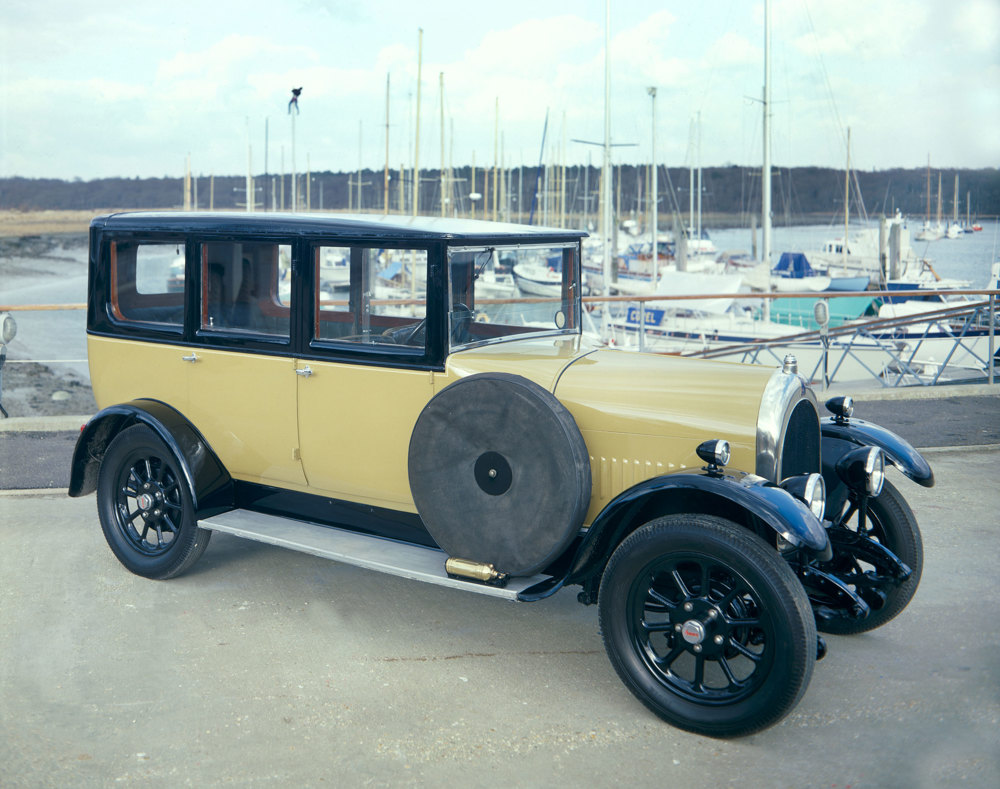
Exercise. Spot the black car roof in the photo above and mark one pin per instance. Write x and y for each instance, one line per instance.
(356, 226)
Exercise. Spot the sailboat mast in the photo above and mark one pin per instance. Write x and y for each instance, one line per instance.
(699, 179)
(928, 190)
(444, 193)
(954, 217)
(652, 187)
(939, 200)
(765, 186)
(385, 183)
(847, 196)
(606, 170)
(496, 155)
(416, 147)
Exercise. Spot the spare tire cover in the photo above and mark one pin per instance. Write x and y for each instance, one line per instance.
(499, 472)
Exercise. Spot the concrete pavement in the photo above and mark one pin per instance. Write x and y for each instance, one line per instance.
(266, 667)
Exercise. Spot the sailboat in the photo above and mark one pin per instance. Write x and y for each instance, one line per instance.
(931, 232)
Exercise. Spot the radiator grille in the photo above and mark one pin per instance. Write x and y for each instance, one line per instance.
(800, 451)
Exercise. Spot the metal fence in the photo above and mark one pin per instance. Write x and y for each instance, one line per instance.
(892, 350)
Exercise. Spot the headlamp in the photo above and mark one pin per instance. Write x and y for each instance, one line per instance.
(809, 488)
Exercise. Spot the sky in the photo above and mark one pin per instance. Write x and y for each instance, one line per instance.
(132, 89)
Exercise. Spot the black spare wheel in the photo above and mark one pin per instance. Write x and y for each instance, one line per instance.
(499, 472)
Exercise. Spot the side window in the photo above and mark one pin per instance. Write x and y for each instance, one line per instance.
(246, 287)
(147, 283)
(369, 295)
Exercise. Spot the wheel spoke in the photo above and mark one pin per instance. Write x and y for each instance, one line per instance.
(659, 598)
(735, 623)
(699, 672)
(754, 656)
(664, 663)
(681, 586)
(734, 683)
(131, 518)
(132, 484)
(733, 593)
(172, 523)
(656, 627)
(703, 589)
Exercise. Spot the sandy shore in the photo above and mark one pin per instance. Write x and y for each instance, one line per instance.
(15, 224)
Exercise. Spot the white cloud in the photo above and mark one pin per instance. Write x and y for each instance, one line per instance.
(977, 24)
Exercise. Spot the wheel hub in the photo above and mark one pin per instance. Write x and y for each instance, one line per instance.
(693, 631)
(145, 501)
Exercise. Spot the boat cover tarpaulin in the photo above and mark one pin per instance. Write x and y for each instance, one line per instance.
(794, 265)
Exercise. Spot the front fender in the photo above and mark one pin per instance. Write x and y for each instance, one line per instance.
(210, 484)
(731, 495)
(898, 450)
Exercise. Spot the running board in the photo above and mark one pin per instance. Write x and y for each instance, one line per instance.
(362, 550)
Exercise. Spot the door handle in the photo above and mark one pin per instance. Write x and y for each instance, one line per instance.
(305, 372)
(192, 358)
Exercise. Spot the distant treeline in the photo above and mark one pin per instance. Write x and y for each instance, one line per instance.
(800, 194)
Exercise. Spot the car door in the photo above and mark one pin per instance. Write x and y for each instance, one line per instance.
(365, 381)
(242, 381)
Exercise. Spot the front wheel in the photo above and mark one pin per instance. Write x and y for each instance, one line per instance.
(145, 507)
(891, 523)
(707, 625)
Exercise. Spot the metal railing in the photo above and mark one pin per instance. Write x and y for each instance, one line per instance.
(963, 325)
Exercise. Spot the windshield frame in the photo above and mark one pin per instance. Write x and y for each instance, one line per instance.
(569, 299)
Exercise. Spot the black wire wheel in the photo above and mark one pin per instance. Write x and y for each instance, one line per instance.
(707, 625)
(890, 522)
(144, 504)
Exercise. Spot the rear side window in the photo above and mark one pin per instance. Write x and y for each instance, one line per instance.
(246, 287)
(147, 283)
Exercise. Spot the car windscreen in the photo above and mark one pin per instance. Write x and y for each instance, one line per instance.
(500, 292)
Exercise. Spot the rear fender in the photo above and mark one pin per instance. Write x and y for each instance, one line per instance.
(210, 484)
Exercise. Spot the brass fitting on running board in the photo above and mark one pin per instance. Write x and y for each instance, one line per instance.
(477, 571)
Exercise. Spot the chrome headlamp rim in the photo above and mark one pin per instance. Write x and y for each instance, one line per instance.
(841, 407)
(716, 452)
(875, 469)
(809, 489)
(863, 470)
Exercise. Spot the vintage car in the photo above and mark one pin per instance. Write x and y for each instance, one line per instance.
(377, 391)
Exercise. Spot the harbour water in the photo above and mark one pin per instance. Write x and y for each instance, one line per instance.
(967, 257)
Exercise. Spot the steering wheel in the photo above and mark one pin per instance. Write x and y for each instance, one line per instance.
(461, 319)
(407, 335)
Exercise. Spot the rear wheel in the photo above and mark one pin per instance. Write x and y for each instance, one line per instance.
(145, 506)
(707, 625)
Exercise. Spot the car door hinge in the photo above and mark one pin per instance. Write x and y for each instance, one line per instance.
(296, 455)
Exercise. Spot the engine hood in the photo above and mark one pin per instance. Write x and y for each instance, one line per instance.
(640, 414)
(678, 401)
